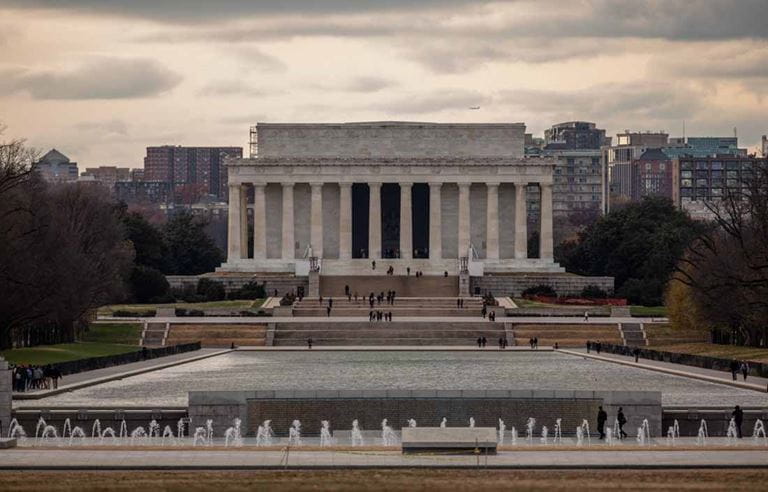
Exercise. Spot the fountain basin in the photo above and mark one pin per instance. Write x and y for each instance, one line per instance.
(7, 443)
(453, 440)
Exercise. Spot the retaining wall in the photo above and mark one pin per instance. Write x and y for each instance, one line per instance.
(514, 285)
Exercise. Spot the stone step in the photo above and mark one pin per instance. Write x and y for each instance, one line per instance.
(405, 286)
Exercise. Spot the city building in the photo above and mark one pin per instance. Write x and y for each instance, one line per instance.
(575, 135)
(55, 167)
(191, 171)
(145, 192)
(703, 147)
(651, 175)
(436, 198)
(698, 180)
(618, 158)
(106, 176)
(137, 174)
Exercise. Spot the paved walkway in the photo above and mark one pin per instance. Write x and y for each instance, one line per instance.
(491, 347)
(712, 375)
(25, 458)
(425, 319)
(98, 376)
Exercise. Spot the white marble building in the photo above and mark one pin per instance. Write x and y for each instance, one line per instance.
(418, 195)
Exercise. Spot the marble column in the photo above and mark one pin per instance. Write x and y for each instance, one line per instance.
(233, 223)
(435, 221)
(406, 222)
(259, 222)
(464, 229)
(288, 239)
(244, 221)
(546, 246)
(521, 222)
(316, 218)
(492, 222)
(374, 221)
(345, 221)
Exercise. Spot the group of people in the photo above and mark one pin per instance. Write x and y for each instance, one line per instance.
(379, 315)
(534, 342)
(602, 417)
(596, 346)
(739, 367)
(491, 315)
(28, 378)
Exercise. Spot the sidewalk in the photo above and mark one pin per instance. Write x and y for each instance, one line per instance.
(98, 376)
(753, 382)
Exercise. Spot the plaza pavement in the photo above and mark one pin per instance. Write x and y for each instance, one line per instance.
(425, 319)
(243, 458)
(753, 382)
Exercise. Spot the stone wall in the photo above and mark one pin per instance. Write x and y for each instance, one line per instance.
(428, 407)
(514, 285)
(282, 283)
(394, 139)
(717, 419)
(5, 397)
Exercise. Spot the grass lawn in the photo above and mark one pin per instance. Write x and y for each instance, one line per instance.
(716, 350)
(64, 352)
(237, 304)
(413, 479)
(648, 311)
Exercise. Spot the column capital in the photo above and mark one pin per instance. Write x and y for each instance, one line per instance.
(259, 187)
(464, 185)
(288, 185)
(345, 185)
(374, 185)
(519, 184)
(405, 184)
(492, 184)
(434, 184)
(316, 184)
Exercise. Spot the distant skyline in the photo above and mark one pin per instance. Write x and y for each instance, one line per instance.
(100, 80)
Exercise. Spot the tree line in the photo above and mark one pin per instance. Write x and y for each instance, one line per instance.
(67, 249)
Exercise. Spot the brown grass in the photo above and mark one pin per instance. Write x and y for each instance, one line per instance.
(394, 480)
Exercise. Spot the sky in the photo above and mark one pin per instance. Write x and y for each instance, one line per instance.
(100, 80)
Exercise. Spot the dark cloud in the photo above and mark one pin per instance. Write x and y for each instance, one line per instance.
(103, 78)
(729, 62)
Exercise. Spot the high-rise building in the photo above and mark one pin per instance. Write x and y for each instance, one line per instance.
(628, 147)
(698, 180)
(190, 170)
(143, 191)
(574, 135)
(55, 167)
(652, 175)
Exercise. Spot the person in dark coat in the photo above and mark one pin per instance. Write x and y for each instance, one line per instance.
(479, 342)
(734, 369)
(309, 343)
(601, 418)
(738, 418)
(621, 420)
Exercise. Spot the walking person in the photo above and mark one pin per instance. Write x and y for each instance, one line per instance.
(738, 418)
(309, 343)
(636, 353)
(479, 342)
(484, 342)
(734, 369)
(586, 316)
(601, 418)
(744, 369)
(622, 420)
(589, 345)
(328, 311)
(598, 346)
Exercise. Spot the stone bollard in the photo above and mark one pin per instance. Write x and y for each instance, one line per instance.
(5, 396)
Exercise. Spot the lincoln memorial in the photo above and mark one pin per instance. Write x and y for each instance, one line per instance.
(431, 197)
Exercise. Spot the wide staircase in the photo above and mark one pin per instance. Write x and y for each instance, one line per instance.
(633, 333)
(215, 335)
(154, 335)
(567, 334)
(403, 306)
(404, 285)
(388, 333)
(660, 334)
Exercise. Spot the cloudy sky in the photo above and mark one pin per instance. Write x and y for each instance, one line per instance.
(102, 79)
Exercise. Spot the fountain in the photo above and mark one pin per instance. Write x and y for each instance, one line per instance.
(67, 427)
(109, 431)
(582, 431)
(199, 436)
(471, 421)
(411, 423)
(180, 429)
(644, 434)
(609, 441)
(76, 432)
(703, 434)
(544, 433)
(558, 437)
(232, 436)
(15, 430)
(264, 433)
(732, 432)
(529, 429)
(357, 436)
(502, 428)
(209, 431)
(123, 430)
(41, 424)
(96, 429)
(759, 431)
(444, 423)
(325, 434)
(294, 434)
(388, 437)
(138, 433)
(153, 430)
(49, 431)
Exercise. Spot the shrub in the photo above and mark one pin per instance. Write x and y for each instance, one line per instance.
(210, 290)
(540, 290)
(182, 313)
(288, 299)
(251, 290)
(593, 292)
(121, 313)
(147, 283)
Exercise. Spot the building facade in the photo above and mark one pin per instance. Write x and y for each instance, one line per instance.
(421, 195)
(652, 175)
(107, 176)
(190, 171)
(143, 192)
(575, 135)
(698, 180)
(55, 167)
(628, 147)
